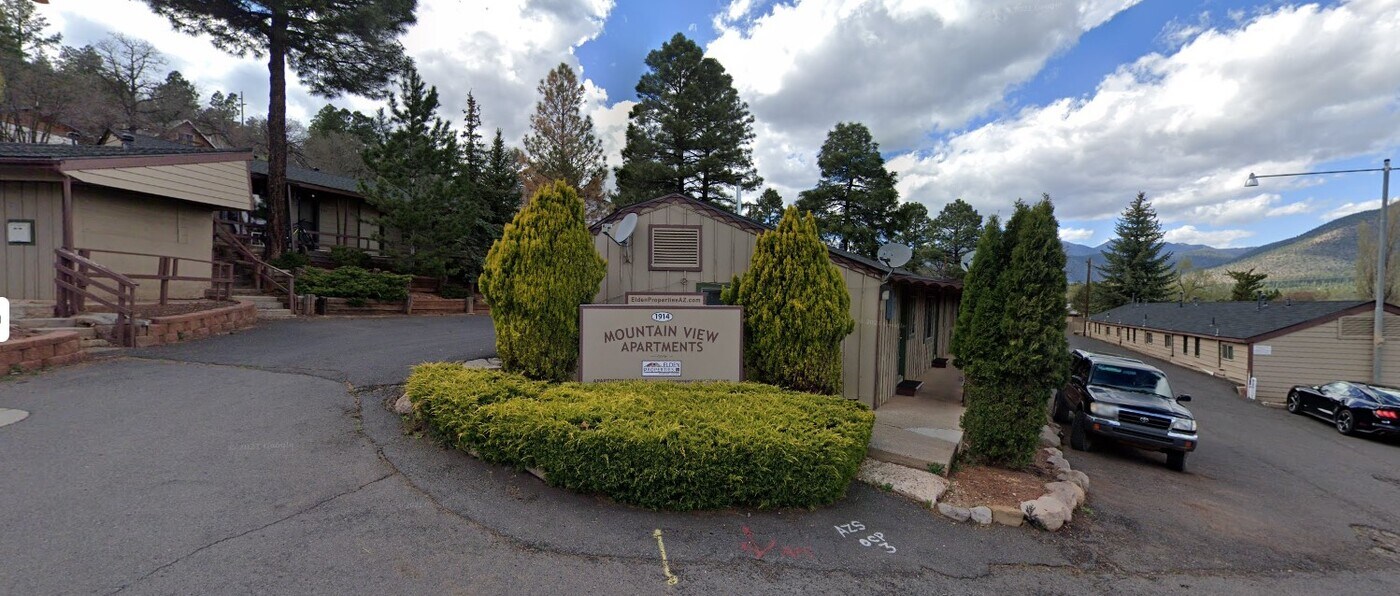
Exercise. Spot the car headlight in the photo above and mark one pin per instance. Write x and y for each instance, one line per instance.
(1184, 424)
(1102, 410)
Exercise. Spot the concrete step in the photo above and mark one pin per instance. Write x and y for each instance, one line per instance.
(83, 332)
(259, 299)
(275, 314)
(30, 309)
(910, 449)
(38, 323)
(98, 352)
(96, 343)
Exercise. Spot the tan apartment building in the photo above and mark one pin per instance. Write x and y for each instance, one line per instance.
(904, 320)
(1279, 344)
(127, 207)
(327, 207)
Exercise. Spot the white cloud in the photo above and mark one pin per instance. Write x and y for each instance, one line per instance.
(903, 68)
(1350, 208)
(1217, 238)
(1076, 234)
(497, 50)
(1245, 210)
(1290, 89)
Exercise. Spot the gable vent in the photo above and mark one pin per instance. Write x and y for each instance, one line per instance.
(675, 248)
(1360, 327)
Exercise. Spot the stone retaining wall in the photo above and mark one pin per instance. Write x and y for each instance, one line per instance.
(196, 325)
(55, 348)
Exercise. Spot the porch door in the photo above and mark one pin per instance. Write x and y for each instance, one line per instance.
(906, 325)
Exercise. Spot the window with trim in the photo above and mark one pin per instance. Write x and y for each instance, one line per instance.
(711, 292)
(674, 248)
(1198, 347)
(1168, 339)
(1149, 338)
(1227, 352)
(1185, 344)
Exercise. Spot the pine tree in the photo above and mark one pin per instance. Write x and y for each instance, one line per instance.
(796, 309)
(498, 191)
(345, 46)
(955, 232)
(970, 341)
(562, 145)
(689, 133)
(1250, 286)
(536, 276)
(768, 209)
(1136, 267)
(415, 183)
(855, 202)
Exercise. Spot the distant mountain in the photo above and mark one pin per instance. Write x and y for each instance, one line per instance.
(1321, 256)
(1202, 256)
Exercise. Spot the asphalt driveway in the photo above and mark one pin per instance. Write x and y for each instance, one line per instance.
(265, 462)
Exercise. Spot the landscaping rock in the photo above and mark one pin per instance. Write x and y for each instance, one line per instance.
(1059, 462)
(981, 515)
(1049, 437)
(1075, 476)
(1047, 512)
(1068, 493)
(954, 513)
(1007, 515)
(403, 405)
(919, 485)
(487, 363)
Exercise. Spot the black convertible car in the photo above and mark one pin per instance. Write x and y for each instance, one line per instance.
(1351, 407)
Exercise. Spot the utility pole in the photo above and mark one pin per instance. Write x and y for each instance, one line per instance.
(1382, 280)
(1088, 292)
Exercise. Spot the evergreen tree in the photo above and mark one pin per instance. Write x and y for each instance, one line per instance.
(796, 309)
(689, 132)
(22, 36)
(335, 46)
(562, 145)
(955, 232)
(855, 201)
(1136, 267)
(971, 343)
(768, 209)
(536, 276)
(1250, 286)
(414, 181)
(498, 190)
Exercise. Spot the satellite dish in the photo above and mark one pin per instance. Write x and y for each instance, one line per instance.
(623, 230)
(894, 255)
(967, 260)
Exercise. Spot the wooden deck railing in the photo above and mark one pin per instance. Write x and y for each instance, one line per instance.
(220, 277)
(265, 276)
(77, 276)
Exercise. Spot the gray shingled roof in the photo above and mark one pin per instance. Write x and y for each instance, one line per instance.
(316, 177)
(1236, 320)
(47, 152)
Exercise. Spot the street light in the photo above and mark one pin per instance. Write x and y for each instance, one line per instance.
(1378, 324)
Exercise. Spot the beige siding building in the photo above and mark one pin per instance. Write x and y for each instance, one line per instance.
(127, 207)
(681, 245)
(329, 208)
(1279, 344)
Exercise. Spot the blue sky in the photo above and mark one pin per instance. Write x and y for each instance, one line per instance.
(986, 100)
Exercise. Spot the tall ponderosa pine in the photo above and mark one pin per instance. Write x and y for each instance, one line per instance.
(562, 145)
(415, 183)
(1136, 267)
(855, 202)
(536, 276)
(796, 309)
(335, 47)
(768, 209)
(1016, 339)
(954, 235)
(689, 132)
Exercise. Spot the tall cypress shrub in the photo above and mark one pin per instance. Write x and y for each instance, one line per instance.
(796, 309)
(536, 276)
(969, 339)
(1018, 336)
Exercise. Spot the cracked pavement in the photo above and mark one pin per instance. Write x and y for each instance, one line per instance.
(265, 462)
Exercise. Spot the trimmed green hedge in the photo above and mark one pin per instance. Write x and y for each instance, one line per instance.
(354, 283)
(657, 445)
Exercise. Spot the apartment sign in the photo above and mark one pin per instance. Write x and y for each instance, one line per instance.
(655, 342)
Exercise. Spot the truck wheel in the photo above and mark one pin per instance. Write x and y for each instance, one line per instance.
(1079, 433)
(1059, 412)
(1176, 460)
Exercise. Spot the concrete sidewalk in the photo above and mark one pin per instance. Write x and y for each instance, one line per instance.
(923, 429)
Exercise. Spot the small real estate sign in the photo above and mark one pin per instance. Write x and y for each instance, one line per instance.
(666, 298)
(656, 342)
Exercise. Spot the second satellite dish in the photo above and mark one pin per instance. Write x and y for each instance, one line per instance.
(894, 255)
(621, 232)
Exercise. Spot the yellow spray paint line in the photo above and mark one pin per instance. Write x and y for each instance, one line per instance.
(671, 579)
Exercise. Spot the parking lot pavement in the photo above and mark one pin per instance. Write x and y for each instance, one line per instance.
(1266, 491)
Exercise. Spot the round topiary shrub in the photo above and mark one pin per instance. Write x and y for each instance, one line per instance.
(658, 445)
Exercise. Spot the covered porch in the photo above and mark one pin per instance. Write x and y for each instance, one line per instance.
(923, 430)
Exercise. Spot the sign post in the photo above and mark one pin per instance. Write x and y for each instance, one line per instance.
(661, 343)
